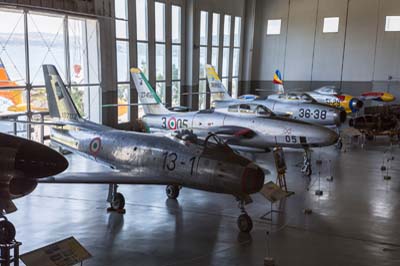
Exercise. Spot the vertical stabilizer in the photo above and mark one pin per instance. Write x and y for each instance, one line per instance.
(217, 88)
(278, 83)
(59, 100)
(147, 96)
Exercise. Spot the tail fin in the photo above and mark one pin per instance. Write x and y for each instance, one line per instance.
(59, 100)
(148, 97)
(217, 88)
(4, 78)
(278, 83)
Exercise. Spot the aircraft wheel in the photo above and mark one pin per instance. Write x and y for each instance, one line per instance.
(244, 223)
(118, 203)
(172, 191)
(7, 232)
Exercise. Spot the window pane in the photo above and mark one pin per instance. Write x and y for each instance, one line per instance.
(123, 99)
(160, 21)
(141, 19)
(214, 58)
(13, 101)
(121, 9)
(331, 25)
(225, 62)
(203, 61)
(235, 83)
(227, 30)
(274, 27)
(238, 25)
(176, 62)
(160, 61)
(121, 29)
(176, 93)
(225, 82)
(202, 94)
(12, 46)
(236, 55)
(143, 61)
(93, 51)
(123, 61)
(392, 23)
(203, 27)
(46, 45)
(160, 90)
(215, 29)
(77, 51)
(79, 97)
(176, 24)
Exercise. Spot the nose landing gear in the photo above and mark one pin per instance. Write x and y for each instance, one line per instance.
(244, 221)
(116, 199)
(172, 191)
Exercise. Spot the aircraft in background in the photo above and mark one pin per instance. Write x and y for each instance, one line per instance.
(22, 164)
(293, 106)
(141, 158)
(331, 96)
(13, 100)
(249, 127)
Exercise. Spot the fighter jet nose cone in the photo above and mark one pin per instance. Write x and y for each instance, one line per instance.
(37, 161)
(252, 179)
(356, 104)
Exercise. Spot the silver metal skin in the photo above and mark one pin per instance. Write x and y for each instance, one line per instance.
(22, 163)
(267, 130)
(143, 158)
(298, 107)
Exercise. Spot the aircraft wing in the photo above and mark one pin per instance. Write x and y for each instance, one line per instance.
(105, 178)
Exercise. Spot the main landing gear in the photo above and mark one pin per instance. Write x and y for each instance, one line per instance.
(116, 199)
(172, 191)
(244, 221)
(306, 168)
(7, 231)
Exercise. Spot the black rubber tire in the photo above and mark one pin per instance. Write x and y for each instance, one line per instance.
(172, 191)
(7, 232)
(244, 223)
(118, 202)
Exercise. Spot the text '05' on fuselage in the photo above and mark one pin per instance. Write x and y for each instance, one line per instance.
(144, 158)
(298, 107)
(254, 127)
(22, 163)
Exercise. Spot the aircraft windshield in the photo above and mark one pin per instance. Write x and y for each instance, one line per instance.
(254, 109)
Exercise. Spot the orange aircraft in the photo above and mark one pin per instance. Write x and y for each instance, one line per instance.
(13, 100)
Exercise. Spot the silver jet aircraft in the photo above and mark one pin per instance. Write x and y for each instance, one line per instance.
(299, 107)
(22, 164)
(252, 130)
(148, 159)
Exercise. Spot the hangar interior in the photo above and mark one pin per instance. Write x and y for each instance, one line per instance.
(353, 45)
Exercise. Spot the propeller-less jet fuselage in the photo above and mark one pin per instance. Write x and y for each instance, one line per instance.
(148, 159)
(298, 107)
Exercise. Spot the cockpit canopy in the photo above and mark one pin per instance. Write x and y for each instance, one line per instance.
(328, 90)
(291, 97)
(247, 108)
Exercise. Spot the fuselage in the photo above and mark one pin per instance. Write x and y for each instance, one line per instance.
(311, 112)
(270, 131)
(163, 160)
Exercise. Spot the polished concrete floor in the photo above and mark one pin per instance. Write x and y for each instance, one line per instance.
(355, 222)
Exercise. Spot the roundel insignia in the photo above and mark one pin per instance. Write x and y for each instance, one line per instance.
(95, 146)
(172, 123)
